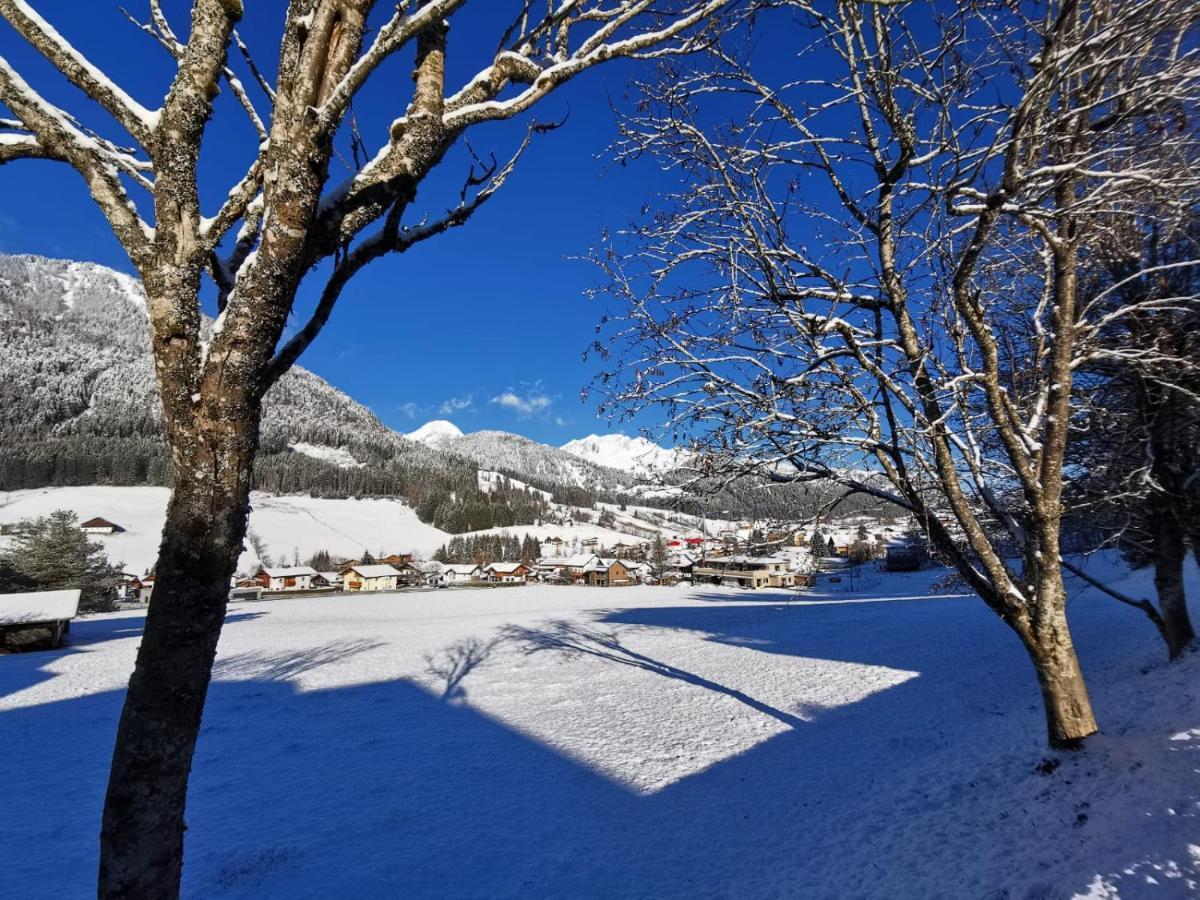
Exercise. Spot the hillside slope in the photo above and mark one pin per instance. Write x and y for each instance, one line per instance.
(79, 406)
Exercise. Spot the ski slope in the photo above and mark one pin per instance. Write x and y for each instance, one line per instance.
(288, 525)
(637, 742)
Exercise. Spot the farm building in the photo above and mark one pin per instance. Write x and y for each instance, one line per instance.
(36, 617)
(289, 578)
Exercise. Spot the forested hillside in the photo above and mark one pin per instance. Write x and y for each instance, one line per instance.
(79, 405)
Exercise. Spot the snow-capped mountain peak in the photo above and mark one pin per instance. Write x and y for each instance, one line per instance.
(436, 433)
(624, 453)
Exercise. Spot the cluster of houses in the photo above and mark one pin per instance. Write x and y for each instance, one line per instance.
(399, 572)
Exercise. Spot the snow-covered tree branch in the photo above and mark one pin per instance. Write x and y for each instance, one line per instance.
(882, 269)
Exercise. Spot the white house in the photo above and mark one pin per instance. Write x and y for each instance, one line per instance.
(638, 571)
(287, 578)
(99, 526)
(380, 577)
(460, 573)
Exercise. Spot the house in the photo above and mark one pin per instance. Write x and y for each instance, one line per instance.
(100, 526)
(639, 572)
(287, 578)
(407, 573)
(566, 569)
(147, 589)
(461, 573)
(607, 573)
(374, 577)
(902, 556)
(129, 589)
(333, 579)
(506, 572)
(35, 617)
(430, 573)
(397, 559)
(745, 571)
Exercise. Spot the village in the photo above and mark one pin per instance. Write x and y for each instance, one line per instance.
(746, 557)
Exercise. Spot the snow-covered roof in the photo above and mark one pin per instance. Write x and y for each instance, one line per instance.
(98, 523)
(504, 568)
(745, 560)
(461, 568)
(331, 576)
(569, 562)
(377, 571)
(38, 606)
(289, 571)
(600, 564)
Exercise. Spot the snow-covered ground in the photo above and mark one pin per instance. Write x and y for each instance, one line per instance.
(637, 742)
(287, 525)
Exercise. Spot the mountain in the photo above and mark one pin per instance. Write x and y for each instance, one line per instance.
(437, 433)
(637, 455)
(79, 405)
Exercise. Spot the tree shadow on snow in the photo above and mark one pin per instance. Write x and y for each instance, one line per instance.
(382, 789)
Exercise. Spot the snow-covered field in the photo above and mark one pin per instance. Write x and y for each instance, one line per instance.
(286, 524)
(637, 742)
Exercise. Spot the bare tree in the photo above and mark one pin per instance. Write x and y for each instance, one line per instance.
(872, 277)
(282, 217)
(1137, 485)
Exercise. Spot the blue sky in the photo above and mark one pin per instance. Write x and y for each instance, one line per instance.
(486, 325)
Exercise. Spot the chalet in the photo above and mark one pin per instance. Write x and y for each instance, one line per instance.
(36, 617)
(745, 571)
(397, 560)
(147, 589)
(566, 569)
(506, 572)
(639, 572)
(129, 589)
(100, 526)
(607, 573)
(287, 578)
(333, 579)
(462, 573)
(374, 577)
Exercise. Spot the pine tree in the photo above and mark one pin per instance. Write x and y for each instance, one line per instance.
(51, 553)
(817, 544)
(658, 554)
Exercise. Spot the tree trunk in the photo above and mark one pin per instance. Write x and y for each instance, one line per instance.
(1170, 551)
(141, 842)
(1069, 716)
